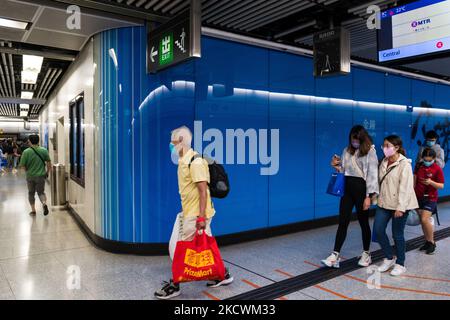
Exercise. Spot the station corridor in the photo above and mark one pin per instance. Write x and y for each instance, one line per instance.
(36, 252)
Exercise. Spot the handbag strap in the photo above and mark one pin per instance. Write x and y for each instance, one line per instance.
(38, 156)
(389, 171)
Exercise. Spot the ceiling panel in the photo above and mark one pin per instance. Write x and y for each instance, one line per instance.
(57, 39)
(17, 10)
(56, 20)
(11, 34)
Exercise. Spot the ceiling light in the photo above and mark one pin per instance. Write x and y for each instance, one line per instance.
(32, 63)
(24, 106)
(23, 113)
(29, 77)
(27, 95)
(8, 23)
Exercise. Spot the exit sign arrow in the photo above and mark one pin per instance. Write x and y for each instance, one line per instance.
(153, 54)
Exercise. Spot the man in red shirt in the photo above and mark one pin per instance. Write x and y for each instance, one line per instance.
(429, 177)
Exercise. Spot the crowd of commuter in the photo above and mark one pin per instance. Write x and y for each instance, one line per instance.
(391, 184)
(10, 153)
(394, 187)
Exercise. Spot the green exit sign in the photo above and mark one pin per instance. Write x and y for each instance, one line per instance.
(166, 49)
(175, 41)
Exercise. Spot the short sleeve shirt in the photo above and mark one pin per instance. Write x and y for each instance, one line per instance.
(31, 161)
(188, 177)
(434, 173)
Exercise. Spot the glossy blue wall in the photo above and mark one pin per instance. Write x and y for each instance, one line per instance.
(239, 86)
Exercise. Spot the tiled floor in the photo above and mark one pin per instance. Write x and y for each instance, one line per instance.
(37, 253)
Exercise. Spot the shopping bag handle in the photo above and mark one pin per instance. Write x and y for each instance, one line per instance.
(200, 236)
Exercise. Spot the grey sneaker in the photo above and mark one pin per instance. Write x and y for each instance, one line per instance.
(169, 290)
(217, 283)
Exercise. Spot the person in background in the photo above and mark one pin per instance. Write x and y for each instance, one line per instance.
(396, 198)
(16, 156)
(428, 178)
(36, 161)
(359, 162)
(2, 156)
(9, 154)
(197, 206)
(431, 138)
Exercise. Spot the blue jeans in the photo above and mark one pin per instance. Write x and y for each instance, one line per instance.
(382, 218)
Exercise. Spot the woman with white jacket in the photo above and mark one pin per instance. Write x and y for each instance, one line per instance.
(395, 199)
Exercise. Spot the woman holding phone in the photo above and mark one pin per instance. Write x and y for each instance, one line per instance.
(396, 198)
(359, 163)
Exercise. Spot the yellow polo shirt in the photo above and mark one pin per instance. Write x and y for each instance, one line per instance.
(187, 179)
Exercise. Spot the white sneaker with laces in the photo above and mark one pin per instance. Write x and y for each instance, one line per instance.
(366, 259)
(387, 265)
(332, 261)
(398, 270)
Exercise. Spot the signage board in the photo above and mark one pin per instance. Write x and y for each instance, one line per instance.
(331, 52)
(175, 41)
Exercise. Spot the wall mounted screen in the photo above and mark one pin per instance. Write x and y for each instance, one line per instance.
(417, 29)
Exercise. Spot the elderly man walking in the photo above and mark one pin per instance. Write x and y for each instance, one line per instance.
(197, 206)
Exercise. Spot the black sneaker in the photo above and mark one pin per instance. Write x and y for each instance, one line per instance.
(431, 249)
(45, 210)
(168, 291)
(217, 283)
(425, 246)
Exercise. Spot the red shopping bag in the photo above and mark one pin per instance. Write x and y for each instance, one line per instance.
(197, 260)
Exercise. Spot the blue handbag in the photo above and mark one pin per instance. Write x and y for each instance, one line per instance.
(336, 186)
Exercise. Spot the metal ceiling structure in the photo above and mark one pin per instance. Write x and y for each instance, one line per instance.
(290, 22)
(47, 36)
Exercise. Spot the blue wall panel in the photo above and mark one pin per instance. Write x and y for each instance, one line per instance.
(364, 91)
(397, 90)
(228, 106)
(421, 92)
(236, 86)
(332, 122)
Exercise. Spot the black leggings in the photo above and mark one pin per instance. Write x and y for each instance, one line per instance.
(355, 193)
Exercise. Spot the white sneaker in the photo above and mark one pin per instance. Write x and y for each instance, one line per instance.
(332, 261)
(398, 270)
(366, 259)
(387, 264)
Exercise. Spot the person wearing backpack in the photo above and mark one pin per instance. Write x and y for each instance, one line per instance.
(428, 178)
(197, 206)
(431, 138)
(36, 161)
(396, 198)
(359, 163)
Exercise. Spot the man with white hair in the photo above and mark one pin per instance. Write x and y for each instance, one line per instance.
(196, 203)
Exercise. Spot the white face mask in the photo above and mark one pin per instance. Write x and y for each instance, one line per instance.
(389, 151)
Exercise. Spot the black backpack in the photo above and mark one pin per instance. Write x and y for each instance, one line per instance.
(219, 185)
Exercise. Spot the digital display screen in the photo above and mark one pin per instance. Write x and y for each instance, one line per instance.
(415, 29)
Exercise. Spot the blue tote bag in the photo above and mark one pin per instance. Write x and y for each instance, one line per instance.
(336, 186)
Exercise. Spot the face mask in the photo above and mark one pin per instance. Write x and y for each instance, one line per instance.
(389, 151)
(428, 163)
(431, 143)
(172, 147)
(355, 144)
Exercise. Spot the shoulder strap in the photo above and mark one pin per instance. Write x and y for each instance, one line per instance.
(38, 155)
(389, 171)
(193, 158)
